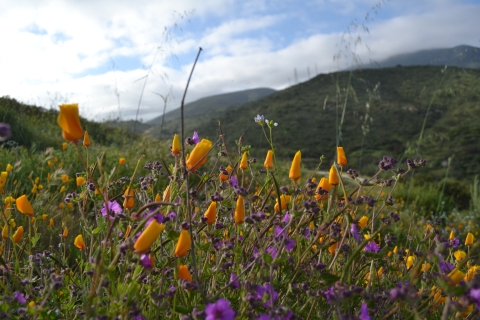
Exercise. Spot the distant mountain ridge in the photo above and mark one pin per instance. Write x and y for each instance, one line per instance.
(462, 56)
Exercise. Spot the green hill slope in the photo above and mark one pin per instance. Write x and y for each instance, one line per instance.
(398, 99)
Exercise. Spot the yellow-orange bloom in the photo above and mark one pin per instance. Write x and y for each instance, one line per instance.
(122, 161)
(362, 222)
(9, 167)
(294, 173)
(69, 121)
(426, 267)
(129, 201)
(333, 176)
(452, 235)
(211, 213)
(184, 243)
(198, 155)
(176, 145)
(5, 232)
(268, 164)
(148, 236)
(3, 178)
(239, 215)
(284, 200)
(52, 223)
(86, 140)
(80, 181)
(65, 232)
(183, 273)
(24, 206)
(64, 178)
(332, 248)
(469, 239)
(341, 158)
(244, 162)
(224, 177)
(18, 235)
(79, 243)
(410, 260)
(325, 185)
(166, 194)
(459, 254)
(456, 276)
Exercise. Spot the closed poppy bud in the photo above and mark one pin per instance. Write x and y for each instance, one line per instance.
(295, 167)
(69, 121)
(24, 206)
(224, 177)
(121, 161)
(244, 162)
(468, 240)
(332, 248)
(426, 267)
(452, 235)
(333, 176)
(183, 273)
(148, 236)
(18, 235)
(65, 232)
(9, 167)
(268, 164)
(3, 178)
(325, 185)
(341, 158)
(79, 243)
(52, 223)
(198, 155)
(166, 194)
(239, 215)
(5, 232)
(158, 197)
(211, 213)
(362, 222)
(175, 145)
(410, 260)
(184, 243)
(44, 217)
(86, 140)
(64, 178)
(127, 232)
(80, 181)
(64, 146)
(284, 200)
(129, 201)
(456, 276)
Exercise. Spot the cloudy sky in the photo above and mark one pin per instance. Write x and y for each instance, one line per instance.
(102, 53)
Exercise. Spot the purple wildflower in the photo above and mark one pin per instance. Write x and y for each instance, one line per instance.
(278, 231)
(267, 294)
(355, 233)
(233, 182)
(259, 119)
(289, 244)
(20, 297)
(195, 138)
(145, 261)
(475, 295)
(159, 217)
(286, 217)
(234, 283)
(364, 312)
(5, 131)
(372, 247)
(330, 295)
(111, 208)
(445, 266)
(454, 243)
(272, 251)
(219, 310)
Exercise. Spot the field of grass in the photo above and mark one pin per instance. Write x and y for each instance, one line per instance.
(115, 226)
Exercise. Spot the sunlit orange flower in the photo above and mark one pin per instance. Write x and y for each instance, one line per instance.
(166, 194)
(410, 261)
(284, 200)
(469, 239)
(184, 243)
(121, 161)
(239, 215)
(129, 201)
(198, 155)
(456, 276)
(183, 273)
(24, 206)
(86, 140)
(341, 158)
(325, 185)
(79, 243)
(18, 235)
(80, 181)
(176, 145)
(9, 167)
(459, 255)
(294, 173)
(224, 177)
(69, 121)
(148, 236)
(65, 232)
(211, 213)
(244, 162)
(362, 222)
(5, 232)
(268, 164)
(52, 223)
(333, 176)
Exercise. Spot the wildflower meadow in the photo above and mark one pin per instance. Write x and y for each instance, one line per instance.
(203, 230)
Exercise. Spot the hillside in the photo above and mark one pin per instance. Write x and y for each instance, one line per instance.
(398, 98)
(460, 56)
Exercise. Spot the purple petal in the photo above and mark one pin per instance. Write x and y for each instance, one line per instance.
(195, 137)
